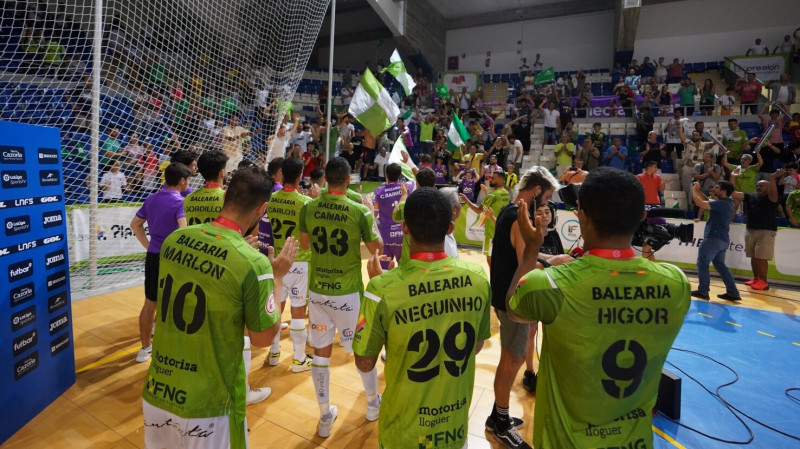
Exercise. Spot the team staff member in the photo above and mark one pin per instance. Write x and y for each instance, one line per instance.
(598, 387)
(535, 187)
(194, 395)
(163, 213)
(494, 202)
(431, 397)
(333, 226)
(284, 212)
(204, 205)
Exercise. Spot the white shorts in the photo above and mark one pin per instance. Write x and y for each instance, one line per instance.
(163, 429)
(295, 285)
(330, 313)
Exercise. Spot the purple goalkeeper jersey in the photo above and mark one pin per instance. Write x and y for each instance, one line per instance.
(386, 198)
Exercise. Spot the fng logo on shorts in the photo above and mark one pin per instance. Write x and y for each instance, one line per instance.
(440, 438)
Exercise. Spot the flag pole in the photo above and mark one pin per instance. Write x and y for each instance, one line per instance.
(329, 104)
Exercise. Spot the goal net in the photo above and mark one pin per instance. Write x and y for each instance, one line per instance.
(172, 74)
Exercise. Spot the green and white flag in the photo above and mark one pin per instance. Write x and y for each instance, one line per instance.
(547, 75)
(406, 115)
(457, 135)
(398, 70)
(372, 105)
(396, 157)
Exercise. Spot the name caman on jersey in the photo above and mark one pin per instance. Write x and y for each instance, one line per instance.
(336, 225)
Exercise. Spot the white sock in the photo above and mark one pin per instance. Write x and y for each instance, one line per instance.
(370, 381)
(247, 355)
(276, 343)
(321, 375)
(297, 330)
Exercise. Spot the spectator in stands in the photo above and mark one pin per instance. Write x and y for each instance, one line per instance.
(633, 80)
(785, 46)
(649, 102)
(761, 209)
(661, 71)
(757, 49)
(552, 122)
(346, 94)
(694, 151)
(734, 139)
(515, 149)
(644, 125)
(522, 132)
(565, 112)
(749, 92)
(132, 153)
(564, 152)
(686, 93)
(618, 73)
(111, 149)
(783, 92)
(588, 154)
(322, 95)
(675, 71)
(743, 176)
(665, 101)
(537, 64)
(233, 137)
(651, 149)
(706, 173)
(112, 184)
(674, 130)
(312, 159)
(726, 101)
(708, 97)
(790, 183)
(616, 154)
(653, 184)
(793, 208)
(627, 98)
(377, 168)
(647, 70)
(575, 174)
(716, 240)
(794, 155)
(775, 139)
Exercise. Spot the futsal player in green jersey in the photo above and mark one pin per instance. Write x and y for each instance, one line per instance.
(494, 202)
(204, 205)
(284, 214)
(425, 177)
(212, 286)
(610, 319)
(333, 226)
(432, 314)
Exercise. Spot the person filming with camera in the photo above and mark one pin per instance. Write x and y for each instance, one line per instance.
(610, 319)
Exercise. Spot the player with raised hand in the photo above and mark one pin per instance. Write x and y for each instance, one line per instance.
(284, 214)
(333, 226)
(432, 314)
(386, 199)
(213, 284)
(598, 386)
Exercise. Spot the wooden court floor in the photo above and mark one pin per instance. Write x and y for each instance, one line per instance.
(103, 408)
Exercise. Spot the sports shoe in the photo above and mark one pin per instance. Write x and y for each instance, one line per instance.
(144, 354)
(510, 439)
(728, 297)
(298, 366)
(383, 355)
(529, 381)
(750, 282)
(256, 395)
(515, 423)
(284, 326)
(760, 284)
(699, 294)
(373, 409)
(326, 425)
(274, 358)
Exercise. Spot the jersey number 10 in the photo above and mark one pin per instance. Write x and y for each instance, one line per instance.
(179, 305)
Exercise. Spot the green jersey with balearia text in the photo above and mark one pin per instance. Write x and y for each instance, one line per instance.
(284, 216)
(203, 205)
(430, 315)
(336, 225)
(211, 285)
(609, 324)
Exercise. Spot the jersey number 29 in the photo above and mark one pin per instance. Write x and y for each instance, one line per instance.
(459, 357)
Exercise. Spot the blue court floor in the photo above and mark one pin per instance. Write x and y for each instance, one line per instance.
(762, 352)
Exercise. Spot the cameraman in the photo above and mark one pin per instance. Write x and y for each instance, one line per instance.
(716, 239)
(594, 319)
(575, 174)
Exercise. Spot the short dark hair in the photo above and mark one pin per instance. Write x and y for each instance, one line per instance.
(185, 157)
(726, 186)
(733, 120)
(428, 214)
(317, 174)
(649, 164)
(210, 163)
(789, 165)
(393, 172)
(292, 170)
(426, 177)
(613, 200)
(244, 164)
(248, 188)
(336, 171)
(273, 166)
(174, 172)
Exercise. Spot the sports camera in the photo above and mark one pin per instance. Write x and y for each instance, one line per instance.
(656, 232)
